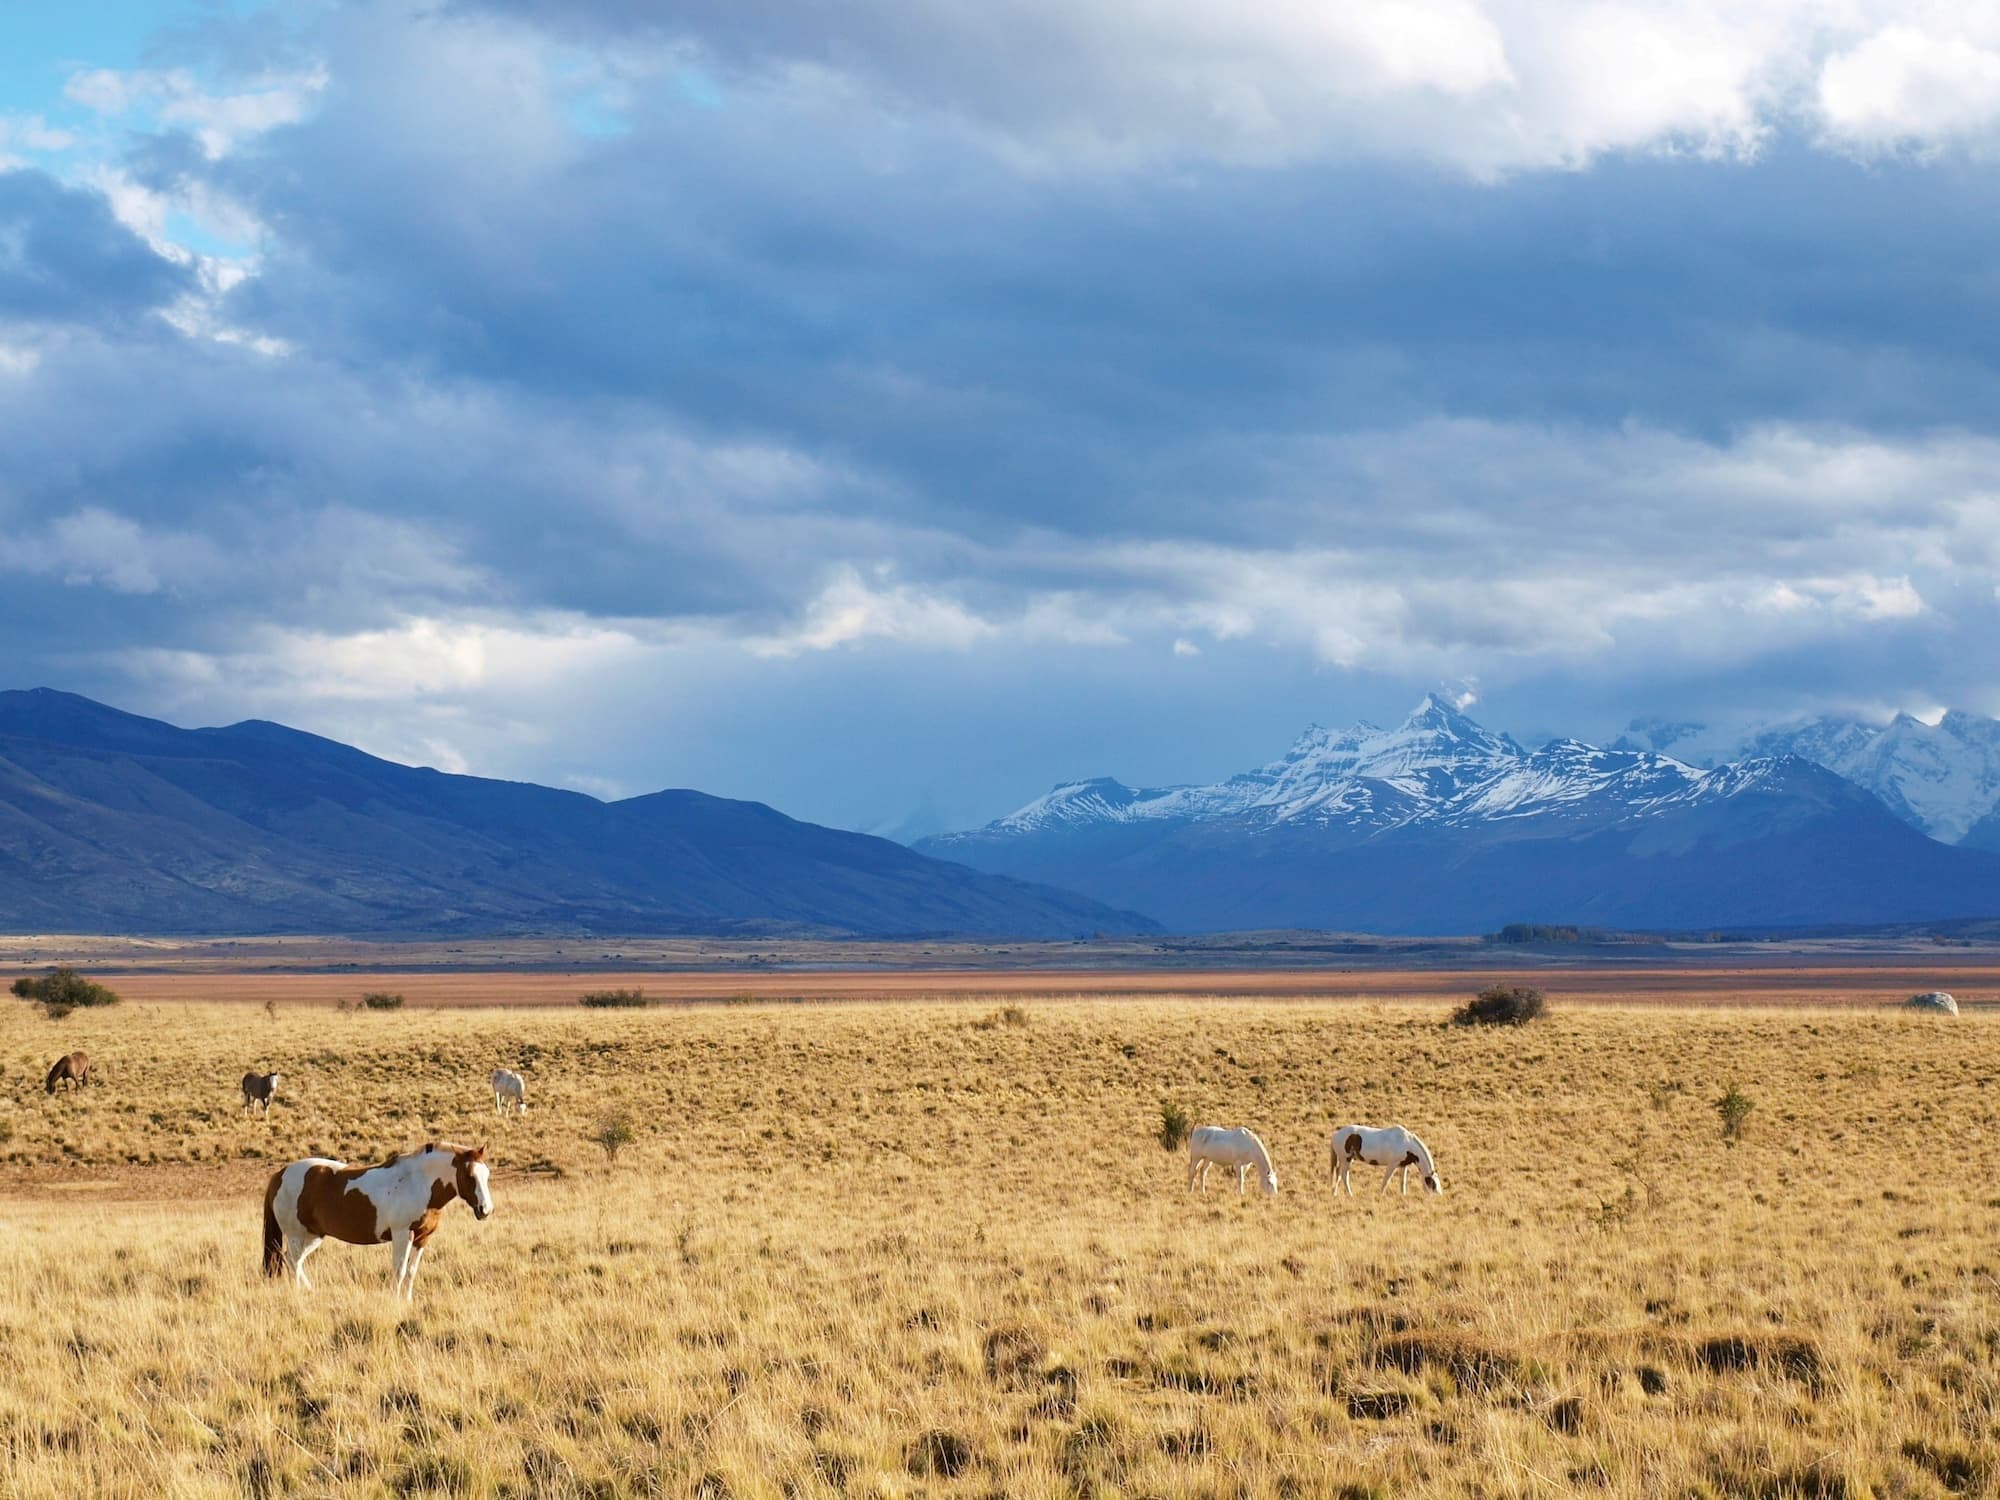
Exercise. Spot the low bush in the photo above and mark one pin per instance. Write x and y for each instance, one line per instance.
(63, 990)
(614, 999)
(613, 1134)
(1174, 1126)
(378, 1000)
(1501, 1005)
(1734, 1109)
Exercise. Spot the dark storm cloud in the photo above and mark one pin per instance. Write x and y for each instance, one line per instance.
(64, 257)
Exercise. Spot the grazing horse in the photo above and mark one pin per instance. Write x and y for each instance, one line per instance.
(1239, 1149)
(73, 1069)
(397, 1203)
(260, 1088)
(510, 1091)
(1391, 1147)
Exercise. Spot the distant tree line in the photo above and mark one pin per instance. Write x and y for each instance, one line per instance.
(1537, 932)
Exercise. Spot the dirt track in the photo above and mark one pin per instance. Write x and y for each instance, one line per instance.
(1829, 985)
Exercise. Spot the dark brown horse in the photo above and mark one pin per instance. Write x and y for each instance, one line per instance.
(73, 1069)
(258, 1088)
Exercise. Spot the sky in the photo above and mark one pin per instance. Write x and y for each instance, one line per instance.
(888, 411)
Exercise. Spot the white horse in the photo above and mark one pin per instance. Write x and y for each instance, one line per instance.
(398, 1203)
(510, 1091)
(1391, 1147)
(1238, 1149)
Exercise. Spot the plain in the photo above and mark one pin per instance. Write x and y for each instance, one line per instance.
(911, 1248)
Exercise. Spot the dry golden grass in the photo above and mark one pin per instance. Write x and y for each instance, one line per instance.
(897, 1250)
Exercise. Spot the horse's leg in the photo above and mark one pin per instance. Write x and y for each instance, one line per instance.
(410, 1276)
(1406, 1179)
(399, 1254)
(1241, 1168)
(1387, 1178)
(297, 1249)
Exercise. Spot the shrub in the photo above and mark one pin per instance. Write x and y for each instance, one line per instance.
(1174, 1125)
(63, 990)
(614, 1133)
(613, 999)
(381, 1000)
(1501, 1005)
(1734, 1107)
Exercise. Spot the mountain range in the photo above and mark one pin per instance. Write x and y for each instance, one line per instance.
(114, 823)
(1943, 778)
(1440, 825)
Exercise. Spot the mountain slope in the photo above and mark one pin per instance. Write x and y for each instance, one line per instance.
(112, 822)
(1943, 778)
(1439, 825)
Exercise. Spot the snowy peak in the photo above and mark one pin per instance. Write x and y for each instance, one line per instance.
(1942, 778)
(1437, 767)
(1099, 799)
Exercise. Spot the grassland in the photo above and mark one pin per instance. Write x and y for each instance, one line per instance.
(912, 1248)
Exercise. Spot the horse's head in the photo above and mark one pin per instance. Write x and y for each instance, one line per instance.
(1433, 1183)
(469, 1168)
(1271, 1183)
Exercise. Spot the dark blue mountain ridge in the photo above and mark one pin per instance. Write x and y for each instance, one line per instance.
(1441, 826)
(111, 822)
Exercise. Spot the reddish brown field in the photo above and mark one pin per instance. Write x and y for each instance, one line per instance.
(1845, 984)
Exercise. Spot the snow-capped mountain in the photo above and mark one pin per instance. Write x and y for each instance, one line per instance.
(1362, 776)
(1440, 825)
(1438, 766)
(1943, 778)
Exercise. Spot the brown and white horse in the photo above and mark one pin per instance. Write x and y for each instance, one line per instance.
(398, 1204)
(1390, 1147)
(74, 1069)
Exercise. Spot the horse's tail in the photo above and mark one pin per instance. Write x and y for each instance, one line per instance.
(274, 1237)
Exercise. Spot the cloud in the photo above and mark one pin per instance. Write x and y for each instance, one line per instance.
(94, 547)
(1479, 86)
(1904, 86)
(419, 658)
(64, 258)
(29, 133)
(174, 98)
